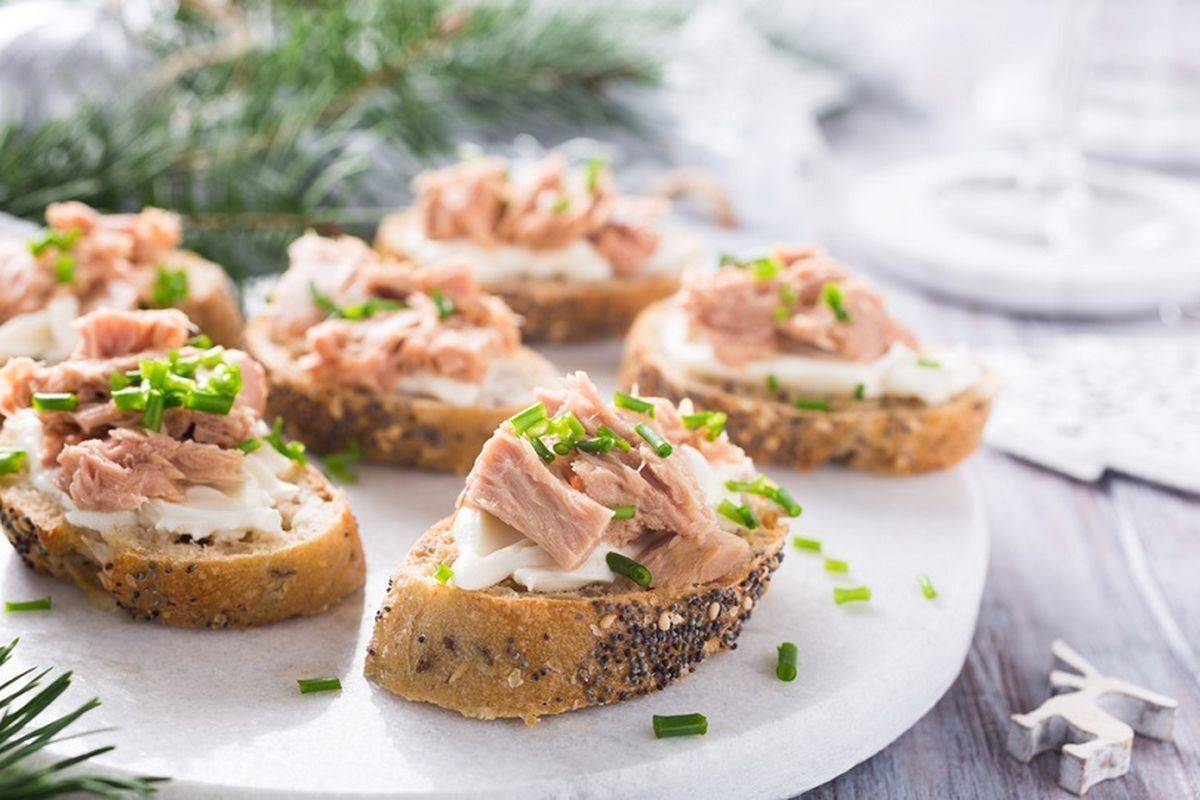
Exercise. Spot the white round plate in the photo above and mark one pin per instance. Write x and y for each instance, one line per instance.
(220, 713)
(906, 218)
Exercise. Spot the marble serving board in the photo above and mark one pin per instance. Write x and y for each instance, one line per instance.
(220, 713)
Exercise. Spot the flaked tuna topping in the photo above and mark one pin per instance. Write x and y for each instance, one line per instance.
(575, 473)
(542, 206)
(117, 261)
(139, 411)
(797, 301)
(362, 319)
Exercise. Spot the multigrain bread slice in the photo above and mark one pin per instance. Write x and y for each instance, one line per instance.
(233, 585)
(889, 435)
(559, 311)
(390, 428)
(505, 652)
(211, 301)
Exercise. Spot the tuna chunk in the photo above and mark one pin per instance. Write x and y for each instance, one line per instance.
(464, 200)
(24, 284)
(510, 482)
(104, 334)
(129, 467)
(675, 561)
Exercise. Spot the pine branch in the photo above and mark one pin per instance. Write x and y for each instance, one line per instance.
(264, 118)
(20, 745)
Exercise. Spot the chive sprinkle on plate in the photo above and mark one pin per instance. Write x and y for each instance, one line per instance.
(802, 543)
(858, 594)
(926, 586)
(837, 565)
(443, 574)
(679, 725)
(310, 685)
(42, 604)
(786, 669)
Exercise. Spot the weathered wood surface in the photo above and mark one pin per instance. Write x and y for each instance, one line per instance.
(1112, 567)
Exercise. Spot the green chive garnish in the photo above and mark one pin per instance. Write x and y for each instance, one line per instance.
(11, 461)
(742, 515)
(539, 447)
(594, 165)
(713, 422)
(370, 307)
(28, 605)
(618, 442)
(443, 574)
(781, 314)
(55, 401)
(248, 446)
(445, 306)
(340, 465)
(772, 384)
(131, 398)
(170, 287)
(679, 725)
(293, 450)
(833, 296)
(837, 565)
(323, 301)
(802, 543)
(728, 260)
(859, 594)
(787, 296)
(152, 415)
(764, 488)
(926, 586)
(811, 404)
(208, 402)
(766, 268)
(623, 565)
(623, 512)
(925, 361)
(526, 419)
(860, 391)
(786, 669)
(64, 268)
(597, 445)
(310, 685)
(658, 443)
(201, 341)
(561, 205)
(784, 498)
(61, 240)
(622, 400)
(117, 381)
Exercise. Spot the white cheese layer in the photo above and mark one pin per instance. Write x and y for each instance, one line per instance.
(45, 334)
(490, 550)
(933, 376)
(204, 512)
(577, 261)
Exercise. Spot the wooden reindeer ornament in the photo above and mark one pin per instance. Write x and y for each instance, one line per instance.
(1092, 717)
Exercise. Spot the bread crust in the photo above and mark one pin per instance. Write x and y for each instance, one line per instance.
(191, 586)
(888, 435)
(390, 428)
(212, 300)
(501, 652)
(556, 311)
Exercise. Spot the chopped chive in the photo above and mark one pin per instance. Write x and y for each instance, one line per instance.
(323, 301)
(618, 442)
(835, 298)
(657, 442)
(622, 400)
(562, 448)
(310, 685)
(623, 512)
(248, 446)
(443, 574)
(811, 404)
(860, 391)
(117, 381)
(370, 307)
(201, 341)
(742, 515)
(561, 204)
(926, 586)
(781, 314)
(293, 450)
(786, 669)
(597, 445)
(784, 498)
(623, 565)
(209, 402)
(728, 260)
(594, 165)
(679, 725)
(170, 287)
(859, 594)
(523, 420)
(787, 296)
(539, 447)
(340, 465)
(152, 415)
(42, 604)
(925, 361)
(55, 401)
(803, 543)
(713, 422)
(837, 565)
(11, 461)
(764, 488)
(62, 240)
(64, 268)
(765, 268)
(131, 398)
(750, 518)
(445, 306)
(772, 384)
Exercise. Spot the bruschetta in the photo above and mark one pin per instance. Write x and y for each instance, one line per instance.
(415, 365)
(599, 551)
(141, 468)
(85, 261)
(576, 260)
(809, 367)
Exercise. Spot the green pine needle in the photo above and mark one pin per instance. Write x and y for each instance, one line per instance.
(21, 704)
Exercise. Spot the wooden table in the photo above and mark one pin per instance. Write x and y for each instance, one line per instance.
(1113, 568)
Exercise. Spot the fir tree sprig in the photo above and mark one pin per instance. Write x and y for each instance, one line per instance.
(23, 774)
(260, 119)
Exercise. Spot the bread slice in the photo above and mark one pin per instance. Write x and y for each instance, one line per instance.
(212, 301)
(889, 435)
(231, 585)
(505, 652)
(559, 311)
(390, 428)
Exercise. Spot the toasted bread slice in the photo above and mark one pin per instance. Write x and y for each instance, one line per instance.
(212, 301)
(235, 585)
(559, 311)
(390, 428)
(505, 652)
(888, 435)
